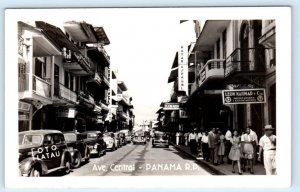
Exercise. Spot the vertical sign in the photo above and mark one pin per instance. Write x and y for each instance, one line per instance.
(183, 68)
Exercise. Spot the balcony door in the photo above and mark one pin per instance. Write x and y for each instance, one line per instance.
(244, 40)
(56, 80)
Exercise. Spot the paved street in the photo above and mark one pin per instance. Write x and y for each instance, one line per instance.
(138, 160)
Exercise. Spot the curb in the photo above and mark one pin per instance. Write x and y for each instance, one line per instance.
(202, 162)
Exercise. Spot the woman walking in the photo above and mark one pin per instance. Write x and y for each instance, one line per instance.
(248, 150)
(235, 153)
(221, 150)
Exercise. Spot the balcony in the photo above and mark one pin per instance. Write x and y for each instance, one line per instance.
(99, 54)
(86, 99)
(213, 70)
(105, 80)
(268, 34)
(32, 87)
(243, 62)
(64, 93)
(121, 98)
(77, 63)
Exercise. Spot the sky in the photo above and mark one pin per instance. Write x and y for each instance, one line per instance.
(142, 50)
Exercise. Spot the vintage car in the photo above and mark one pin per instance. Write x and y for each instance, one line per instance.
(160, 139)
(118, 140)
(95, 142)
(127, 133)
(42, 152)
(109, 139)
(122, 138)
(79, 149)
(139, 138)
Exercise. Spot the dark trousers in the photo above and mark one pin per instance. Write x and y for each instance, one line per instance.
(212, 155)
(193, 146)
(205, 151)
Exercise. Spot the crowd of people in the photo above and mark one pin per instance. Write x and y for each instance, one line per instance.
(241, 149)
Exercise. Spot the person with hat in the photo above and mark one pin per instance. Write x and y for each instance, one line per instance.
(267, 144)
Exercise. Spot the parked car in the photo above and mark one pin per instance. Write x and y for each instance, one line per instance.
(42, 152)
(118, 140)
(160, 139)
(95, 142)
(127, 133)
(79, 149)
(139, 137)
(123, 138)
(109, 139)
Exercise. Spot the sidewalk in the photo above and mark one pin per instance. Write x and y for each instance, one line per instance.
(223, 169)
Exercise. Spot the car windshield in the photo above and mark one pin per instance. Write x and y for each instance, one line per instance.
(70, 136)
(161, 136)
(28, 139)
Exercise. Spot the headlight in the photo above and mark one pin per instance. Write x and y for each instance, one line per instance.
(95, 146)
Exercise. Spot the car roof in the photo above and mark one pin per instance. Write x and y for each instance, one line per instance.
(42, 132)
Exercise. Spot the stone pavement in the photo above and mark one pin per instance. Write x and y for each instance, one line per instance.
(223, 169)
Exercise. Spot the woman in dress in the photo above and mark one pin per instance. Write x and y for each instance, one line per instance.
(248, 149)
(221, 150)
(235, 153)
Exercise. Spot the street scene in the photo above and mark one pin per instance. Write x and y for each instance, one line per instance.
(91, 106)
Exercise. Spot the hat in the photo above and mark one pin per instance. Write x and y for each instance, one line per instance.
(269, 127)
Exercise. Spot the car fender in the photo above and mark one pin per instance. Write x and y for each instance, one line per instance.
(27, 164)
(66, 155)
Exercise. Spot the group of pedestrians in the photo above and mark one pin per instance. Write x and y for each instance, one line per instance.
(236, 148)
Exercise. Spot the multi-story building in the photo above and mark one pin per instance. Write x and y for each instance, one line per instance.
(64, 78)
(234, 54)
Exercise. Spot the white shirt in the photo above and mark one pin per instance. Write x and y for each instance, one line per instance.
(204, 139)
(253, 134)
(247, 138)
(228, 135)
(193, 136)
(265, 142)
(199, 135)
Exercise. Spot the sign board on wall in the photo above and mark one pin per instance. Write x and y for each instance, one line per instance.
(183, 69)
(171, 106)
(244, 96)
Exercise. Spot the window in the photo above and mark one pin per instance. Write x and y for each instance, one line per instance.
(71, 82)
(66, 79)
(218, 49)
(224, 44)
(40, 67)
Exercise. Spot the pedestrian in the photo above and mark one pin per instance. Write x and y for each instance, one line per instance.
(199, 135)
(204, 143)
(217, 145)
(235, 153)
(193, 140)
(177, 138)
(186, 138)
(228, 138)
(267, 144)
(247, 150)
(255, 144)
(221, 149)
(211, 144)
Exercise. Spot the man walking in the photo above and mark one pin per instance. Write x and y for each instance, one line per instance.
(228, 138)
(267, 144)
(193, 140)
(211, 144)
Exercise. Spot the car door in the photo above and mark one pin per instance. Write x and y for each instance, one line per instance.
(44, 152)
(58, 148)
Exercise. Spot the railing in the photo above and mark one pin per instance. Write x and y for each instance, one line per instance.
(63, 92)
(213, 67)
(80, 58)
(106, 79)
(86, 97)
(101, 49)
(20, 45)
(245, 60)
(40, 86)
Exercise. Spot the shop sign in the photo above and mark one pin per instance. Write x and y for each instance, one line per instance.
(24, 117)
(244, 96)
(68, 113)
(183, 68)
(24, 106)
(183, 113)
(171, 106)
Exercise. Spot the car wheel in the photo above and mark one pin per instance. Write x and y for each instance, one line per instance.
(153, 146)
(104, 152)
(35, 172)
(167, 146)
(67, 166)
(77, 161)
(99, 152)
(87, 158)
